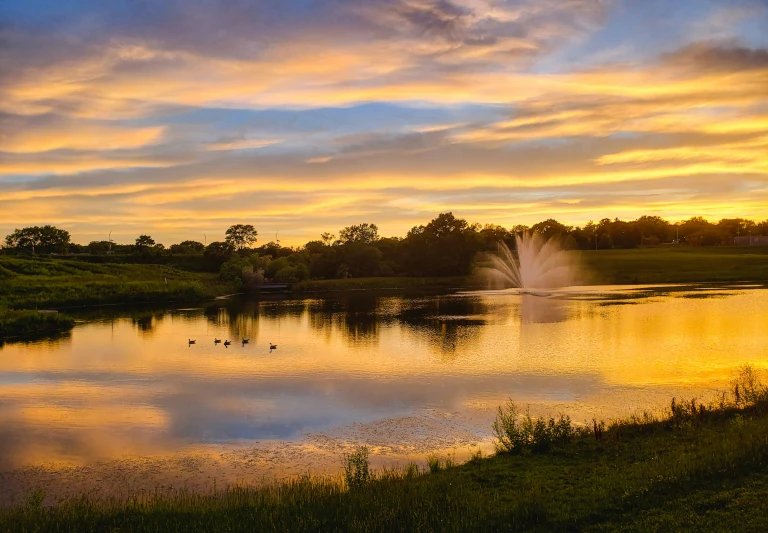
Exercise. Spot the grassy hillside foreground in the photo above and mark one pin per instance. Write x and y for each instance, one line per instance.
(699, 467)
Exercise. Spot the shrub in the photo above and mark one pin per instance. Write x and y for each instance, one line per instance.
(357, 468)
(517, 433)
(292, 274)
(233, 269)
(747, 387)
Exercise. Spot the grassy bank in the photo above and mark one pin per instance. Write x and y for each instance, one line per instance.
(31, 323)
(683, 264)
(382, 283)
(44, 283)
(699, 467)
(678, 264)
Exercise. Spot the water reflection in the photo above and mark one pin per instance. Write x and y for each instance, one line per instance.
(127, 382)
(541, 310)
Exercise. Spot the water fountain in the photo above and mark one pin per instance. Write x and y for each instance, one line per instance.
(540, 265)
(539, 268)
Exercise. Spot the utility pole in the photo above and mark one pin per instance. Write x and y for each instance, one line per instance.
(205, 238)
(110, 242)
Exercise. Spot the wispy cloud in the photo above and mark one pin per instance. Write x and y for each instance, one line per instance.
(181, 117)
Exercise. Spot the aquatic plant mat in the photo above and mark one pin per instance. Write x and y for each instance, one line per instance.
(698, 467)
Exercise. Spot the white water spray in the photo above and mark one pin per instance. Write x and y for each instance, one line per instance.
(538, 265)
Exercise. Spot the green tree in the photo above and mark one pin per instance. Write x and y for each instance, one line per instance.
(736, 227)
(187, 247)
(551, 228)
(98, 247)
(519, 229)
(445, 247)
(494, 234)
(216, 254)
(241, 236)
(275, 266)
(653, 226)
(360, 233)
(144, 242)
(39, 239)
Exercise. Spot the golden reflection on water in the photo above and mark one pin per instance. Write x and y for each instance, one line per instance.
(129, 383)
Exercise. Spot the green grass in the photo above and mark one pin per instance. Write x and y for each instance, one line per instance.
(43, 283)
(679, 264)
(699, 467)
(31, 323)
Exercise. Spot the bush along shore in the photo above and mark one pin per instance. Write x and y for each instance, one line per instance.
(699, 466)
(30, 323)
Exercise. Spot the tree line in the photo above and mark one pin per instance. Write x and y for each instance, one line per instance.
(445, 246)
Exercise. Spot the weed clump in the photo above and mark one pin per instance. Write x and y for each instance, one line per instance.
(357, 468)
(521, 433)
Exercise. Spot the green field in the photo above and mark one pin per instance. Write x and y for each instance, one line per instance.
(42, 283)
(680, 264)
(697, 468)
(29, 284)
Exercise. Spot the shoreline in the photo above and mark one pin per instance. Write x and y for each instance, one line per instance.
(630, 471)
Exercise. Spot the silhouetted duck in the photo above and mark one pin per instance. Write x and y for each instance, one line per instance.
(245, 341)
(191, 341)
(227, 343)
(272, 346)
(216, 341)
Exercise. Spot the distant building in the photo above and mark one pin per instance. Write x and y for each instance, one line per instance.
(751, 240)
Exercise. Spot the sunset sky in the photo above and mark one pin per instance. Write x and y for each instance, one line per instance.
(179, 118)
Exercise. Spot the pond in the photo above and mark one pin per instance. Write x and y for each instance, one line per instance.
(124, 402)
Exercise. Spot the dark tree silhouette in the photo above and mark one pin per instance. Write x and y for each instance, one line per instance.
(360, 233)
(241, 236)
(39, 239)
(144, 242)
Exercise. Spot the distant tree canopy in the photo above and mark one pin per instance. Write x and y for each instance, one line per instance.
(144, 242)
(241, 236)
(445, 246)
(39, 239)
(187, 247)
(551, 228)
(361, 233)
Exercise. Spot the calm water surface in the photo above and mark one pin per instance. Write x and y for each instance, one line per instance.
(405, 374)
